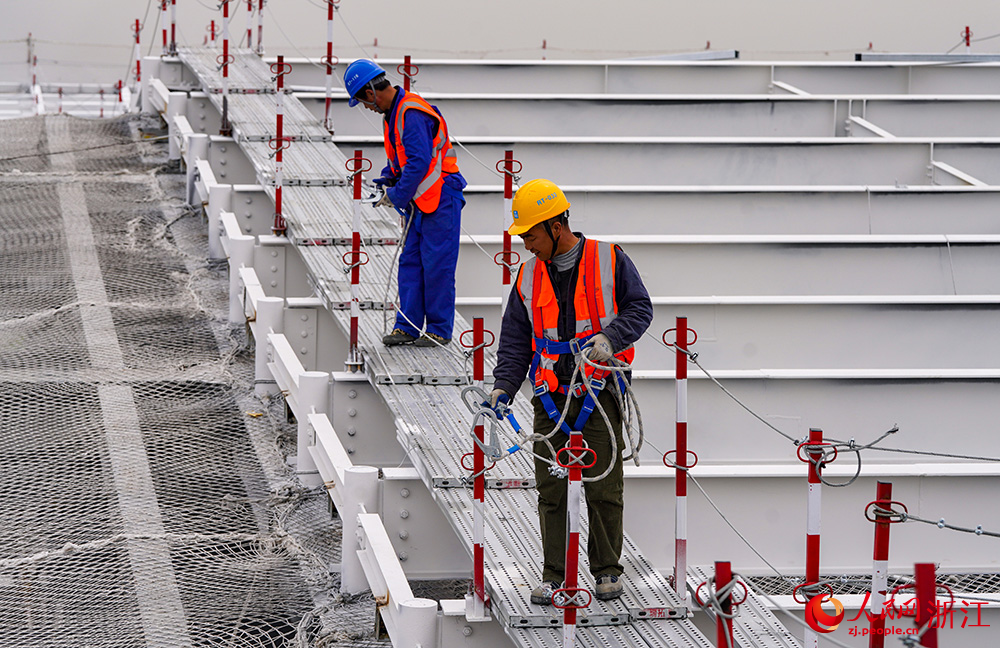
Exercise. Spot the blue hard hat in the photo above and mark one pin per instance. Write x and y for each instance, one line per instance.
(357, 75)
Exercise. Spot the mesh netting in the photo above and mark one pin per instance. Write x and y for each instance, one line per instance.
(145, 496)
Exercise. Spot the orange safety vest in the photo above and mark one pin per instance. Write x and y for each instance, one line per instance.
(593, 303)
(443, 158)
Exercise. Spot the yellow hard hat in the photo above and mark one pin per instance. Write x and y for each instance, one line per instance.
(536, 201)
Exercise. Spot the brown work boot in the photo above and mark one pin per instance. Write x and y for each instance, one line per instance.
(542, 595)
(397, 337)
(431, 340)
(609, 587)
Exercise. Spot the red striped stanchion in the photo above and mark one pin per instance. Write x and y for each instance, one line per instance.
(407, 70)
(137, 55)
(211, 31)
(279, 143)
(571, 596)
(926, 586)
(61, 95)
(260, 28)
(681, 452)
(101, 93)
(163, 24)
(680, 476)
(508, 167)
(479, 484)
(249, 24)
(813, 519)
(880, 572)
(173, 27)
(225, 128)
(330, 61)
(355, 259)
(724, 623)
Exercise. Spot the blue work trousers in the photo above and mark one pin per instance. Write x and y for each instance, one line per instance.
(427, 269)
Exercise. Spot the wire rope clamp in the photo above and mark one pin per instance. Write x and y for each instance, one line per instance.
(512, 172)
(673, 464)
(408, 70)
(571, 598)
(357, 165)
(330, 61)
(279, 69)
(811, 590)
(712, 597)
(224, 60)
(358, 254)
(510, 265)
(883, 511)
(576, 457)
(690, 342)
(472, 348)
(822, 449)
(471, 468)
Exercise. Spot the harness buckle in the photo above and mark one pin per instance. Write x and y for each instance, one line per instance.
(541, 390)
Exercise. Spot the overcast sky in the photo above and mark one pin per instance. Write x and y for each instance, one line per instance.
(89, 40)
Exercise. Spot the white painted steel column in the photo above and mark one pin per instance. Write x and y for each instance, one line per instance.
(240, 256)
(176, 105)
(270, 319)
(220, 199)
(314, 398)
(197, 149)
(360, 489)
(418, 618)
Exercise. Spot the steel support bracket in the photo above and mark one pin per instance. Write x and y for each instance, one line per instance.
(494, 484)
(652, 614)
(532, 621)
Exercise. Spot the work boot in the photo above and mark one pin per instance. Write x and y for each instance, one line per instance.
(431, 340)
(609, 587)
(397, 337)
(542, 595)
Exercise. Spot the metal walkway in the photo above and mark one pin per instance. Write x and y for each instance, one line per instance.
(422, 387)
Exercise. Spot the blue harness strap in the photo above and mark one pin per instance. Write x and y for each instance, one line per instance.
(542, 392)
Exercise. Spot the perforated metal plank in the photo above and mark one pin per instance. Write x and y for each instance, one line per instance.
(321, 216)
(755, 626)
(304, 163)
(248, 74)
(253, 118)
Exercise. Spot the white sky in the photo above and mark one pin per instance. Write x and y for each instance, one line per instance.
(90, 40)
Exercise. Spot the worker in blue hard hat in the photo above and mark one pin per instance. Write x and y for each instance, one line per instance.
(422, 179)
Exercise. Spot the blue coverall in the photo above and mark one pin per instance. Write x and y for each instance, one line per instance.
(430, 252)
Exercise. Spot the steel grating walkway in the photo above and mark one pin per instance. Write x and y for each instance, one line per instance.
(423, 387)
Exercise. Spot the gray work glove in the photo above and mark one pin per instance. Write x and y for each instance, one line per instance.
(384, 201)
(598, 348)
(498, 402)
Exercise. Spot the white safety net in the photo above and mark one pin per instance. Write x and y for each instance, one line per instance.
(145, 494)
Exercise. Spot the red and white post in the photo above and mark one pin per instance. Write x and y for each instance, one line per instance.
(260, 28)
(407, 64)
(249, 24)
(280, 68)
(137, 55)
(574, 494)
(927, 611)
(101, 93)
(724, 624)
(61, 95)
(327, 117)
(225, 128)
(35, 90)
(354, 354)
(211, 31)
(163, 26)
(680, 476)
(813, 522)
(508, 198)
(173, 27)
(479, 483)
(880, 571)
(967, 35)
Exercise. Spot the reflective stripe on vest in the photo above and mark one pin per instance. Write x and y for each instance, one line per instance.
(593, 302)
(443, 158)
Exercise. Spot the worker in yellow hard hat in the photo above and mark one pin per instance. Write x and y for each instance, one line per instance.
(576, 297)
